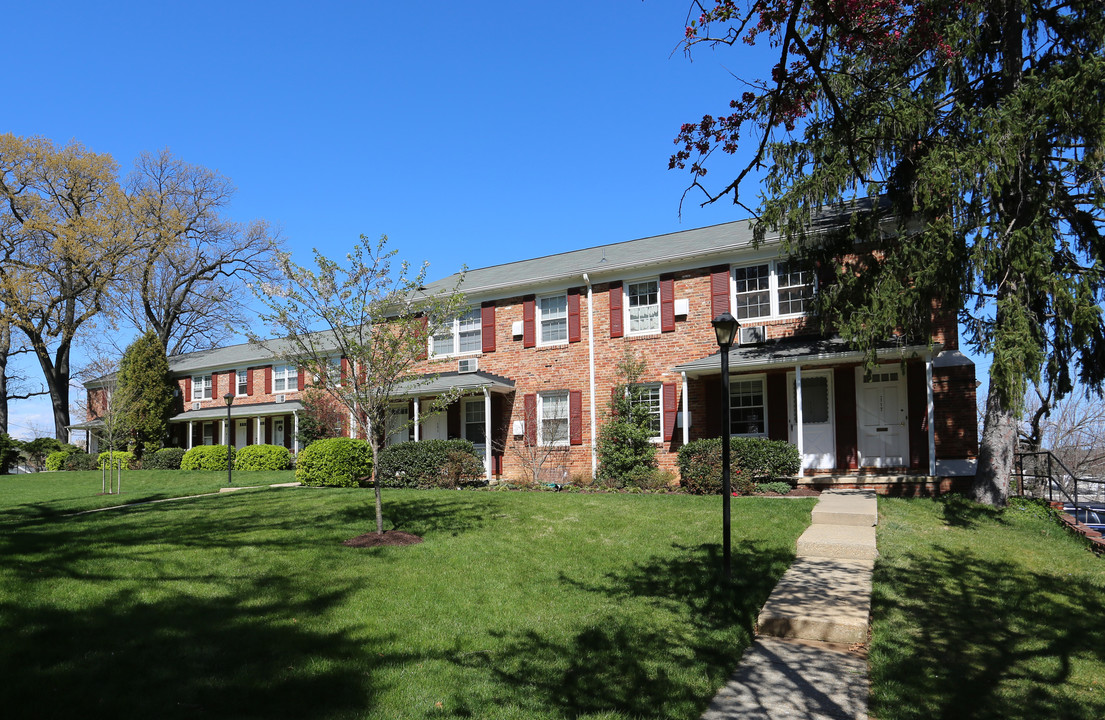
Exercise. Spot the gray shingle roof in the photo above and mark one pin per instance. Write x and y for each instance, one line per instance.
(447, 381)
(788, 352)
(240, 411)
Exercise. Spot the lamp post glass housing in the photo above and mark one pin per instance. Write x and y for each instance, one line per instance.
(725, 328)
(229, 398)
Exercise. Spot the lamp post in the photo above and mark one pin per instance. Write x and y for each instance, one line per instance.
(229, 398)
(725, 328)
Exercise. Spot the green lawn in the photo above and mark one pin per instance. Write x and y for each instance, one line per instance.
(517, 605)
(981, 614)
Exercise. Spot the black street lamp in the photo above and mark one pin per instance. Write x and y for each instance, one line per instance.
(725, 327)
(229, 397)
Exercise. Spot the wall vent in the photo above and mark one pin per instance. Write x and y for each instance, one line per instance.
(752, 335)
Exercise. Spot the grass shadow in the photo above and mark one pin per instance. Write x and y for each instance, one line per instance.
(963, 513)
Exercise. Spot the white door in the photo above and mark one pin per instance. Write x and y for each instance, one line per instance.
(278, 432)
(398, 429)
(881, 415)
(435, 427)
(240, 434)
(818, 428)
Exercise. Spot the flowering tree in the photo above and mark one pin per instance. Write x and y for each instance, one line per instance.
(980, 125)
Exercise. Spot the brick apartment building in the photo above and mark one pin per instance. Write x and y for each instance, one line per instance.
(537, 356)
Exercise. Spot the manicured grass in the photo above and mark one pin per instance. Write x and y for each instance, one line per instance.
(984, 614)
(55, 493)
(517, 605)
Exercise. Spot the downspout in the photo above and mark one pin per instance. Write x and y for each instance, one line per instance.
(591, 370)
(686, 412)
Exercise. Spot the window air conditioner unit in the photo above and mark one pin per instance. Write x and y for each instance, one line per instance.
(752, 335)
(468, 365)
(281, 398)
(195, 406)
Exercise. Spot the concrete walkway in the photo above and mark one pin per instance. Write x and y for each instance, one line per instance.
(800, 666)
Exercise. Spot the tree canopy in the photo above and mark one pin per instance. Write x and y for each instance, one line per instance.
(979, 125)
(145, 392)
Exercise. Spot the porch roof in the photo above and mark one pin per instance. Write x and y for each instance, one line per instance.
(238, 411)
(444, 382)
(87, 425)
(799, 351)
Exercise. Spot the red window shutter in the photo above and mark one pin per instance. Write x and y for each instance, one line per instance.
(668, 392)
(616, 330)
(288, 430)
(667, 303)
(249, 431)
(719, 290)
(575, 417)
(187, 389)
(574, 334)
(487, 326)
(249, 381)
(529, 331)
(425, 337)
(344, 368)
(300, 377)
(268, 382)
(529, 407)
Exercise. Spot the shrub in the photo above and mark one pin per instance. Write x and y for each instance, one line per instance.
(776, 487)
(263, 457)
(335, 462)
(80, 460)
(625, 444)
(653, 479)
(116, 456)
(752, 459)
(164, 459)
(430, 463)
(206, 457)
(56, 460)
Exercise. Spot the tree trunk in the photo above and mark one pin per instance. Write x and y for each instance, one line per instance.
(5, 347)
(995, 453)
(376, 487)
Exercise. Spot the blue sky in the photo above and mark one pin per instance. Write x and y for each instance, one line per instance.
(468, 132)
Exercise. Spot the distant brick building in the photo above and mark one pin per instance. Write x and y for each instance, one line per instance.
(538, 350)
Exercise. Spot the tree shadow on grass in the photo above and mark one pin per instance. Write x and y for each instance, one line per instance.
(957, 635)
(423, 513)
(963, 513)
(665, 665)
(184, 657)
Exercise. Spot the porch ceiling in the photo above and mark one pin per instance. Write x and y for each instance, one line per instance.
(238, 411)
(428, 385)
(798, 351)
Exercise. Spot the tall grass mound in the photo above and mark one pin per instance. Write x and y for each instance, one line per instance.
(335, 462)
(430, 463)
(207, 457)
(164, 459)
(753, 460)
(263, 457)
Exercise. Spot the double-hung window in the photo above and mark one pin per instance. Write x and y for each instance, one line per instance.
(201, 387)
(461, 335)
(553, 325)
(771, 289)
(474, 428)
(753, 291)
(552, 418)
(795, 287)
(747, 414)
(650, 397)
(643, 306)
(243, 382)
(285, 378)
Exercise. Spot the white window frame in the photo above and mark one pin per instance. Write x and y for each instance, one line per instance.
(464, 422)
(468, 322)
(286, 374)
(773, 289)
(733, 382)
(241, 383)
(626, 309)
(659, 404)
(540, 320)
(202, 387)
(542, 398)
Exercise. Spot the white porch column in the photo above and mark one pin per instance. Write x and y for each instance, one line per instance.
(487, 433)
(686, 413)
(189, 443)
(417, 413)
(929, 414)
(223, 425)
(798, 418)
(295, 432)
(258, 436)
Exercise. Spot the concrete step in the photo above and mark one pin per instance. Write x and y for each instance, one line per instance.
(847, 542)
(821, 599)
(842, 515)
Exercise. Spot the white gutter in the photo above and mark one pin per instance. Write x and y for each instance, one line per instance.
(591, 370)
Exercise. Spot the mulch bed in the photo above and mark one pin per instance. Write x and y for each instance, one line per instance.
(391, 537)
(800, 491)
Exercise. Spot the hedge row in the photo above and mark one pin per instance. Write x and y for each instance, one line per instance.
(207, 457)
(335, 462)
(430, 463)
(752, 460)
